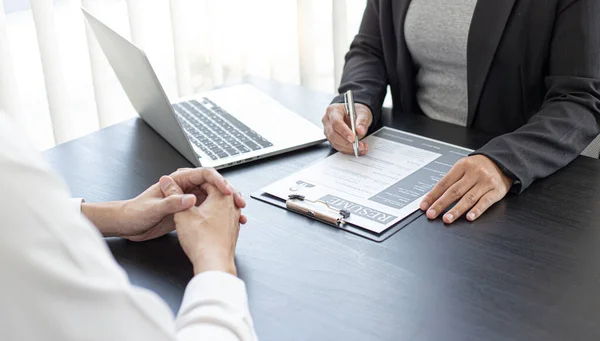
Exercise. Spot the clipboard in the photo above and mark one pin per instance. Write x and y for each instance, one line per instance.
(320, 211)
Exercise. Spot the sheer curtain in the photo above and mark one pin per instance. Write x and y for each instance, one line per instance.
(57, 84)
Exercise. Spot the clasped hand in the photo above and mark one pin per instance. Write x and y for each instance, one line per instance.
(150, 214)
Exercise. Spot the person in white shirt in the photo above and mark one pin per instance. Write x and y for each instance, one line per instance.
(60, 282)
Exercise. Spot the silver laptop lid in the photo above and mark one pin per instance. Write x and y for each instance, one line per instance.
(141, 85)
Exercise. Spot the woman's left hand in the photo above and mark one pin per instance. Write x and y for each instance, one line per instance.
(475, 182)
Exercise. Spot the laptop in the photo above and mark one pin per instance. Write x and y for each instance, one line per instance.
(219, 128)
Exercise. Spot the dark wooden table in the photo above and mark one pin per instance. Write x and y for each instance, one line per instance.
(529, 269)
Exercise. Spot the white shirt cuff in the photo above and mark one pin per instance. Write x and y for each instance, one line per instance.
(76, 204)
(215, 286)
(215, 305)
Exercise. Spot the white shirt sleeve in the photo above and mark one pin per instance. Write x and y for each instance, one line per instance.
(60, 281)
(76, 204)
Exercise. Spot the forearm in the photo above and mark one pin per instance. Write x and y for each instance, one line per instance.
(209, 258)
(548, 142)
(366, 76)
(107, 216)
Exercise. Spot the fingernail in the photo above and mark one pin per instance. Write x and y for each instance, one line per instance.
(431, 213)
(165, 184)
(471, 216)
(350, 139)
(362, 128)
(450, 217)
(424, 205)
(188, 200)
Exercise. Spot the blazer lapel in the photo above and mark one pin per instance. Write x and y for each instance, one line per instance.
(486, 30)
(404, 64)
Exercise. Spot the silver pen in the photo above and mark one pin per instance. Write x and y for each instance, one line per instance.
(349, 102)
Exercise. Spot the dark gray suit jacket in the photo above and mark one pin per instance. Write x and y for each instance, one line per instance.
(533, 77)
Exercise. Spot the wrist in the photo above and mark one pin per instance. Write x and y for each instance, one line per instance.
(106, 216)
(214, 260)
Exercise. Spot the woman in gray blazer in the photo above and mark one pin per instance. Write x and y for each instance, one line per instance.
(527, 71)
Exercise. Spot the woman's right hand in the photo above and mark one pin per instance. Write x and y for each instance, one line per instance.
(337, 127)
(207, 233)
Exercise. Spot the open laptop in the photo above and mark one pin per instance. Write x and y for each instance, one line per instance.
(220, 128)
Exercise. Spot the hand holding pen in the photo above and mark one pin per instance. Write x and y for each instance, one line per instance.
(337, 125)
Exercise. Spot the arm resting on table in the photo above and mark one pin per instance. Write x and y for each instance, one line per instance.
(569, 119)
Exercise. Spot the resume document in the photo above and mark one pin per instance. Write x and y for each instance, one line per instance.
(381, 188)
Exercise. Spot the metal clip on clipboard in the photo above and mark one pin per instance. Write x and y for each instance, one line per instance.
(298, 204)
(319, 210)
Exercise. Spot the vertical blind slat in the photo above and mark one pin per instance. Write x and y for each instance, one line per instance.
(180, 41)
(283, 63)
(43, 16)
(9, 94)
(214, 48)
(136, 27)
(101, 71)
(340, 37)
(306, 44)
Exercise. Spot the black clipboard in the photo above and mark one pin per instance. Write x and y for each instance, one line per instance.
(335, 216)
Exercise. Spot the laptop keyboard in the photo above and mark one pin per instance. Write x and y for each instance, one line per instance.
(217, 133)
